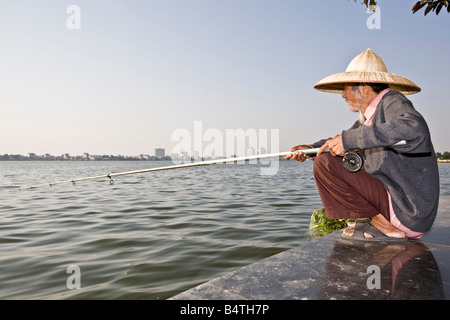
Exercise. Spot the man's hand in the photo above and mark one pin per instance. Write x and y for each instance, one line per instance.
(335, 146)
(299, 156)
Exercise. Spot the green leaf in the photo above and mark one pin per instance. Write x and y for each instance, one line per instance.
(321, 225)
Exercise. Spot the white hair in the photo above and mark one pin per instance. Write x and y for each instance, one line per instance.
(358, 97)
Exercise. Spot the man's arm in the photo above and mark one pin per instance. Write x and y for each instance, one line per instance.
(401, 122)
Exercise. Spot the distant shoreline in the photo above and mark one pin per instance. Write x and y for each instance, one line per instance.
(80, 158)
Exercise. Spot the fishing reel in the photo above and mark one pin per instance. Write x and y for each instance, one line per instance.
(353, 160)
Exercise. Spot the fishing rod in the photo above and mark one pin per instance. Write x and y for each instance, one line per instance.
(185, 165)
(353, 161)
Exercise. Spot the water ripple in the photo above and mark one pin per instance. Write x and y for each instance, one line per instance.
(147, 236)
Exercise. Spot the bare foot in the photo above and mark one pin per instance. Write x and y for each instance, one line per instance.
(354, 224)
(382, 224)
(351, 224)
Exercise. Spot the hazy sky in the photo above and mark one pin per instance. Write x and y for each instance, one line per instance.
(138, 70)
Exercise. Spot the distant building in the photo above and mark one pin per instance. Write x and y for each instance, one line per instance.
(184, 155)
(32, 156)
(160, 152)
(196, 156)
(144, 157)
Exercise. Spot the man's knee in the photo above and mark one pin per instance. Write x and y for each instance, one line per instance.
(322, 163)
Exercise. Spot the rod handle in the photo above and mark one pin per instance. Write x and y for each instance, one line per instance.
(315, 150)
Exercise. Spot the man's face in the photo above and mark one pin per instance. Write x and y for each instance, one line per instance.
(354, 100)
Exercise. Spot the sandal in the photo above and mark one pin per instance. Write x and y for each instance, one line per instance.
(359, 223)
(377, 235)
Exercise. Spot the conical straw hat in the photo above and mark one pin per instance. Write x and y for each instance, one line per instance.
(366, 67)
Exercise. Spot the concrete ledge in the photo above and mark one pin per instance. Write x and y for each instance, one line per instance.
(333, 268)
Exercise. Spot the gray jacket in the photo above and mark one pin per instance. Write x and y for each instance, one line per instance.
(409, 172)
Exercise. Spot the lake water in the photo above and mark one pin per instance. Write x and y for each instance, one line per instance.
(148, 236)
